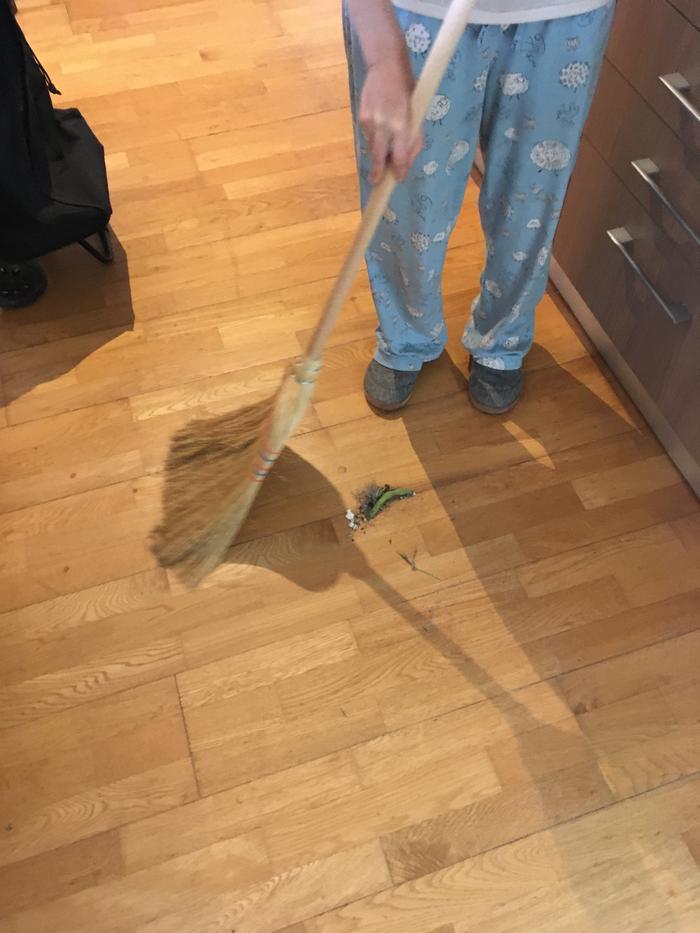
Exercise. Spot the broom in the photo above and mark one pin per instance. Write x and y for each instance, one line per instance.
(216, 466)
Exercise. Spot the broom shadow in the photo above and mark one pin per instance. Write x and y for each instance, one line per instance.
(543, 748)
(291, 532)
(321, 561)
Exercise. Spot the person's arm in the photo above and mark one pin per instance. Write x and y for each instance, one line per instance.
(386, 96)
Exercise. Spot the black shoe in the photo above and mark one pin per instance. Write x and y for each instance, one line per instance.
(21, 283)
(388, 389)
(494, 391)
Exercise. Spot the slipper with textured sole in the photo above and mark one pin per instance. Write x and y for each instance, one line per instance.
(494, 391)
(388, 389)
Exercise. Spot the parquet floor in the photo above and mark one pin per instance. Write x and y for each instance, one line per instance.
(321, 740)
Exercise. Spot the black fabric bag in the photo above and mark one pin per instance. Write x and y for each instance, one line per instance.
(53, 181)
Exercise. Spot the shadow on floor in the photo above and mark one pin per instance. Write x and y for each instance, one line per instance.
(72, 320)
(286, 537)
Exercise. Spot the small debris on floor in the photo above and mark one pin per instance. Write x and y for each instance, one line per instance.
(411, 561)
(371, 501)
(374, 499)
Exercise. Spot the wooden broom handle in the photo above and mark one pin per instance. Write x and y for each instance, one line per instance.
(440, 55)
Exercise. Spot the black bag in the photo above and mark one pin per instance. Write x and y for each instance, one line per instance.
(53, 181)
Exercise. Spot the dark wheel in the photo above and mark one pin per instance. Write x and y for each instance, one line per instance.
(21, 283)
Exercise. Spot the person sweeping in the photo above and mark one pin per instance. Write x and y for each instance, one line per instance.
(520, 83)
(519, 76)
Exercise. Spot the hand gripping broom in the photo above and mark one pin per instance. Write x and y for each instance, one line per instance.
(215, 467)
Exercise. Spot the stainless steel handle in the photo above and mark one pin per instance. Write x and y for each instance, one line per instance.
(679, 87)
(621, 238)
(649, 171)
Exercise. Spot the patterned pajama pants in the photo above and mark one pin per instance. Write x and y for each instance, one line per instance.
(523, 92)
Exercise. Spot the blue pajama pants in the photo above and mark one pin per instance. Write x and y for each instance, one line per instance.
(523, 92)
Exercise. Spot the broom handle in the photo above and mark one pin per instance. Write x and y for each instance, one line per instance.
(439, 58)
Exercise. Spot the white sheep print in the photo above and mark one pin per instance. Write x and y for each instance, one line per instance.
(525, 90)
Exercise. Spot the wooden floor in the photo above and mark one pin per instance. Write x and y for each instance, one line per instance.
(322, 739)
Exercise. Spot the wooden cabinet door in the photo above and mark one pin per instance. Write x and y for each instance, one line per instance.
(651, 39)
(664, 356)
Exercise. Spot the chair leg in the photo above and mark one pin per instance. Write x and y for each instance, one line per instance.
(106, 254)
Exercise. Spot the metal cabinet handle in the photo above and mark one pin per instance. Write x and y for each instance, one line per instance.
(679, 87)
(650, 171)
(621, 238)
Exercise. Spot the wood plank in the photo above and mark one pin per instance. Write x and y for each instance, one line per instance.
(58, 615)
(653, 763)
(684, 700)
(511, 722)
(98, 810)
(540, 752)
(361, 678)
(662, 664)
(638, 719)
(660, 566)
(247, 737)
(692, 840)
(178, 885)
(625, 631)
(79, 677)
(381, 808)
(236, 812)
(626, 482)
(312, 888)
(51, 875)
(212, 637)
(562, 881)
(565, 533)
(262, 667)
(520, 810)
(505, 517)
(117, 727)
(688, 530)
(80, 450)
(551, 468)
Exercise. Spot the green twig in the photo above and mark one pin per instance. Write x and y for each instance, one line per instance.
(386, 497)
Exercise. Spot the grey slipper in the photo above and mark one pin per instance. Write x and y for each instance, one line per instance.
(388, 389)
(494, 391)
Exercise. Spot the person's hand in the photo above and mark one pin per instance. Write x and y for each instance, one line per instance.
(385, 114)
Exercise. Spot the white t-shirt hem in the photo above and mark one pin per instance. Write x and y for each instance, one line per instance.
(543, 11)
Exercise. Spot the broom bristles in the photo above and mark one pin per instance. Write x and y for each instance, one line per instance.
(214, 471)
(208, 490)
